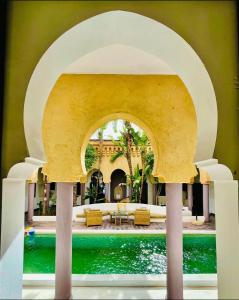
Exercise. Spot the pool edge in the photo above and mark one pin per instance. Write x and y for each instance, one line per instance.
(121, 231)
(124, 280)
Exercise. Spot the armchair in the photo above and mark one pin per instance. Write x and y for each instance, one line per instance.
(93, 217)
(142, 217)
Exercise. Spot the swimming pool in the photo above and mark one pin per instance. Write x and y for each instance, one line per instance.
(120, 254)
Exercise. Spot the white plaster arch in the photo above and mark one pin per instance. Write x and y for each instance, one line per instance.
(217, 172)
(210, 170)
(134, 30)
(120, 59)
(24, 170)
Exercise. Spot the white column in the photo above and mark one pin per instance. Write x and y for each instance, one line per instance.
(107, 191)
(64, 204)
(12, 238)
(190, 196)
(127, 191)
(206, 202)
(227, 238)
(30, 210)
(174, 228)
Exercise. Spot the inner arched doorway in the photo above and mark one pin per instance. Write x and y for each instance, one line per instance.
(118, 189)
(95, 192)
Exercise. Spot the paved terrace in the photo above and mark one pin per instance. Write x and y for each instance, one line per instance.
(124, 226)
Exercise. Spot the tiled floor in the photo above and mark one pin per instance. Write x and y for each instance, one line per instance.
(111, 226)
(118, 293)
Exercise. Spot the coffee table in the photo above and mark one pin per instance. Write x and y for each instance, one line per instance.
(119, 216)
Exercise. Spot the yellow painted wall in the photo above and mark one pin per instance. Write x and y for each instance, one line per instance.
(107, 167)
(159, 104)
(210, 27)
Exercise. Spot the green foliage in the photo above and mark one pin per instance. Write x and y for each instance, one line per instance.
(130, 137)
(136, 184)
(115, 125)
(91, 193)
(101, 131)
(149, 163)
(90, 156)
(115, 156)
(52, 200)
(120, 143)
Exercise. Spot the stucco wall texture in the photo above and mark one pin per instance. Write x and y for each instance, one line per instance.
(208, 26)
(160, 104)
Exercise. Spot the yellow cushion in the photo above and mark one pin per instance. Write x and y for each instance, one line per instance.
(90, 209)
(131, 213)
(105, 213)
(154, 215)
(82, 215)
(142, 212)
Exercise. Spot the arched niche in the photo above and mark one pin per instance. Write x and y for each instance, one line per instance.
(160, 104)
(103, 33)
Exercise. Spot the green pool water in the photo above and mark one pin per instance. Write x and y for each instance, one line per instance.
(120, 254)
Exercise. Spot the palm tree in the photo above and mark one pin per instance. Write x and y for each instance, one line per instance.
(136, 184)
(90, 157)
(141, 142)
(129, 137)
(100, 155)
(91, 194)
(125, 143)
(149, 159)
(149, 163)
(128, 133)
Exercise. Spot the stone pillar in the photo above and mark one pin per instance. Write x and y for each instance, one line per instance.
(174, 228)
(107, 191)
(150, 193)
(30, 214)
(227, 241)
(64, 204)
(155, 200)
(190, 197)
(206, 202)
(48, 187)
(127, 191)
(82, 193)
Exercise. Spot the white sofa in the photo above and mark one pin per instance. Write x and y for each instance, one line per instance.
(130, 207)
